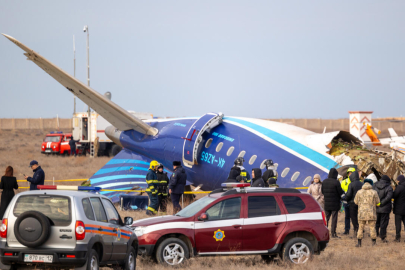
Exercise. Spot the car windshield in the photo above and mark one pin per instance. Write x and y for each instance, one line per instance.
(56, 208)
(193, 208)
(52, 139)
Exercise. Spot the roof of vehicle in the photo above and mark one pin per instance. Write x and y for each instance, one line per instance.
(226, 192)
(80, 194)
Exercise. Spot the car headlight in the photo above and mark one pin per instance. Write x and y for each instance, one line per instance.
(139, 231)
(54, 146)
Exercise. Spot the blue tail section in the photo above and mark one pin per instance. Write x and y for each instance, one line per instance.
(125, 171)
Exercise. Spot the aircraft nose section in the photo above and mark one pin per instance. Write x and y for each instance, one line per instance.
(113, 134)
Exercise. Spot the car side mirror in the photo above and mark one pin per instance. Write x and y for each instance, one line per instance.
(128, 220)
(203, 217)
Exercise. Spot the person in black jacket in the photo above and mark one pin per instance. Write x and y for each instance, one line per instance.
(270, 173)
(257, 178)
(354, 186)
(162, 188)
(399, 206)
(7, 184)
(72, 144)
(39, 175)
(385, 193)
(176, 185)
(233, 174)
(332, 192)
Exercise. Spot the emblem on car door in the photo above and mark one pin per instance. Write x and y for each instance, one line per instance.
(219, 235)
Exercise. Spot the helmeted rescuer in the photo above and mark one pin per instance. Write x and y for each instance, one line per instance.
(72, 144)
(385, 193)
(245, 175)
(399, 206)
(345, 186)
(367, 200)
(332, 191)
(354, 187)
(176, 185)
(257, 180)
(270, 172)
(233, 175)
(152, 190)
(163, 191)
(39, 175)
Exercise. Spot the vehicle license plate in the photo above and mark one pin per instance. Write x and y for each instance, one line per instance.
(38, 258)
(48, 151)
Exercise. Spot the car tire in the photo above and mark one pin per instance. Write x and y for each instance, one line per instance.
(28, 219)
(93, 261)
(179, 252)
(298, 251)
(130, 260)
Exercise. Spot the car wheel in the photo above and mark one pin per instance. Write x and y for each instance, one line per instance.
(32, 229)
(93, 260)
(130, 261)
(172, 251)
(298, 250)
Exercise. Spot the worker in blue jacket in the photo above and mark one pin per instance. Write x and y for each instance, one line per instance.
(176, 185)
(38, 178)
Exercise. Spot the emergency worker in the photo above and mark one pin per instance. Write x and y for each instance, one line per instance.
(176, 185)
(152, 190)
(385, 193)
(245, 175)
(367, 200)
(345, 186)
(72, 144)
(257, 178)
(354, 187)
(233, 174)
(270, 172)
(162, 188)
(39, 175)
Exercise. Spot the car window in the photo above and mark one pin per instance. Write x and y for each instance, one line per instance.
(56, 208)
(112, 214)
(262, 206)
(226, 209)
(88, 211)
(52, 139)
(195, 207)
(98, 209)
(293, 204)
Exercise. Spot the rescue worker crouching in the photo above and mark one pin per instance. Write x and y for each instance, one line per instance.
(162, 188)
(152, 190)
(245, 175)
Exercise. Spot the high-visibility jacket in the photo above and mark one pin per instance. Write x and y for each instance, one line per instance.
(151, 180)
(245, 175)
(345, 184)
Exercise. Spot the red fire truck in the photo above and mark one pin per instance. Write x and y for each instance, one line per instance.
(57, 143)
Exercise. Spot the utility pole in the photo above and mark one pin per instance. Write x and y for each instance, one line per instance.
(74, 73)
(86, 29)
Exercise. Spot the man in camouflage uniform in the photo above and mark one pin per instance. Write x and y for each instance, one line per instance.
(367, 200)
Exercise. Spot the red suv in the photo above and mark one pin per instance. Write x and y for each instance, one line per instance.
(242, 221)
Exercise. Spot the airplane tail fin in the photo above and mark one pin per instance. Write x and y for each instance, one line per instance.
(117, 116)
(392, 132)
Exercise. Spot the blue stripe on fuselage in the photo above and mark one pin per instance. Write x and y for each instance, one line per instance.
(290, 143)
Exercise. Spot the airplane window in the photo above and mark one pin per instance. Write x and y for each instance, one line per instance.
(219, 146)
(307, 181)
(208, 143)
(262, 166)
(295, 176)
(242, 154)
(285, 172)
(230, 151)
(252, 159)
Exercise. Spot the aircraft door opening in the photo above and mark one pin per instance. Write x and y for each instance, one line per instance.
(194, 136)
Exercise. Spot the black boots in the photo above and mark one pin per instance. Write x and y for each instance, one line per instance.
(334, 235)
(358, 243)
(398, 240)
(374, 242)
(384, 240)
(346, 232)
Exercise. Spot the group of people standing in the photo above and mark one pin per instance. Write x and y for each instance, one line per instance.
(160, 186)
(365, 202)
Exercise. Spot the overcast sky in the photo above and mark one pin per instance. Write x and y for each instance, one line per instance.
(266, 59)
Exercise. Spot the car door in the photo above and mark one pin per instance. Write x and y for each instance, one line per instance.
(263, 224)
(101, 227)
(222, 232)
(118, 241)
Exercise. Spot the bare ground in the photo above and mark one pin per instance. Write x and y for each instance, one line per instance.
(19, 148)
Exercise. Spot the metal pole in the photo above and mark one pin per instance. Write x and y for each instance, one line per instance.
(74, 73)
(86, 29)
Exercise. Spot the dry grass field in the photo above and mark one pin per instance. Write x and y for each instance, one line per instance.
(18, 148)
